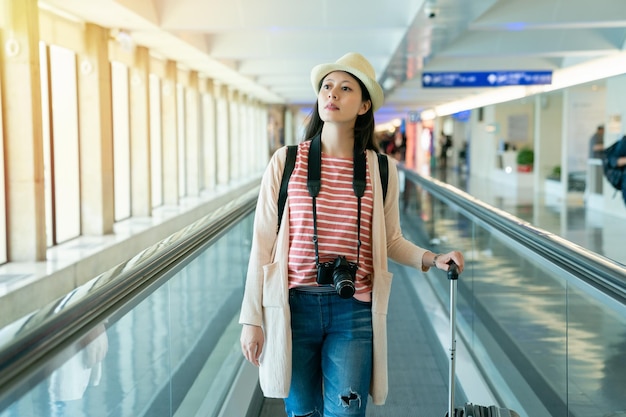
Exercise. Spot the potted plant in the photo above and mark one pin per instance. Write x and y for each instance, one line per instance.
(525, 160)
(555, 175)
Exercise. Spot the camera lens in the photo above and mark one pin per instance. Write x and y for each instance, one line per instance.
(344, 283)
(345, 289)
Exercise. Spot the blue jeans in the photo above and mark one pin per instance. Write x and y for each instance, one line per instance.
(332, 355)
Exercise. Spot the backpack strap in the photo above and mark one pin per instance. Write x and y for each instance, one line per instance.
(290, 162)
(383, 168)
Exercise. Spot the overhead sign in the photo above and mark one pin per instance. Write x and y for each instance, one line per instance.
(485, 78)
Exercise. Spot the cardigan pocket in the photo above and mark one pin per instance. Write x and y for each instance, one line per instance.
(275, 292)
(275, 369)
(381, 292)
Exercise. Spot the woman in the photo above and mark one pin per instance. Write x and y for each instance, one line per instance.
(319, 346)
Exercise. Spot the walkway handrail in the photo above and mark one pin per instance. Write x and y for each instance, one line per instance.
(600, 272)
(49, 330)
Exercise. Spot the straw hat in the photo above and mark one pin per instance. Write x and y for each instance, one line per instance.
(358, 66)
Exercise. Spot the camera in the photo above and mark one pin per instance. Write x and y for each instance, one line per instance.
(340, 273)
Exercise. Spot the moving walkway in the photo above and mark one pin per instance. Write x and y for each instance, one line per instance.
(541, 324)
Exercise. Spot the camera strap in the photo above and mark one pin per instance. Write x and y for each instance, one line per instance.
(313, 183)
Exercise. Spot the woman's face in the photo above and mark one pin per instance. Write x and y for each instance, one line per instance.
(340, 98)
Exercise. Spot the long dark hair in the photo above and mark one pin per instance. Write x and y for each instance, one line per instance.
(363, 127)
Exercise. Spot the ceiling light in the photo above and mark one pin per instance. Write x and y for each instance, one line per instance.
(124, 39)
(428, 115)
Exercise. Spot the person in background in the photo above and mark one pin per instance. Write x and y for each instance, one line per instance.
(385, 140)
(446, 144)
(618, 159)
(317, 346)
(397, 146)
(596, 143)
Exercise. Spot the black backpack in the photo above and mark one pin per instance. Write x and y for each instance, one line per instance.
(613, 173)
(290, 162)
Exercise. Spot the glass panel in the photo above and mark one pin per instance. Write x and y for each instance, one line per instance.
(65, 149)
(121, 140)
(174, 352)
(547, 343)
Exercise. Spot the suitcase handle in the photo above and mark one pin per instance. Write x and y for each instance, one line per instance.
(453, 271)
(469, 410)
(453, 276)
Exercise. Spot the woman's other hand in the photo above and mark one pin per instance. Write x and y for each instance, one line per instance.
(252, 341)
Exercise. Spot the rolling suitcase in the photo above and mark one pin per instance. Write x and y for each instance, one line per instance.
(469, 409)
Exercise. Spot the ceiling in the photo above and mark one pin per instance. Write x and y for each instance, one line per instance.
(266, 48)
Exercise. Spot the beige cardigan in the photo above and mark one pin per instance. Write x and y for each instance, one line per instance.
(266, 297)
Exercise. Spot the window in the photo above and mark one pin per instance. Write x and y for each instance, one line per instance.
(182, 140)
(61, 145)
(45, 131)
(121, 140)
(156, 141)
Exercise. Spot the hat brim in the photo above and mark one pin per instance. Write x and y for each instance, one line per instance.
(374, 89)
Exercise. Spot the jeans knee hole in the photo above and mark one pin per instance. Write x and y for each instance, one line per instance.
(348, 400)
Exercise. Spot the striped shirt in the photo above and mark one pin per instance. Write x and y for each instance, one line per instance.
(337, 208)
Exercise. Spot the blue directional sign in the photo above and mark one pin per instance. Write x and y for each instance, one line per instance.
(485, 78)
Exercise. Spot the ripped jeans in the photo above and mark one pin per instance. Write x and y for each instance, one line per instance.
(332, 355)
